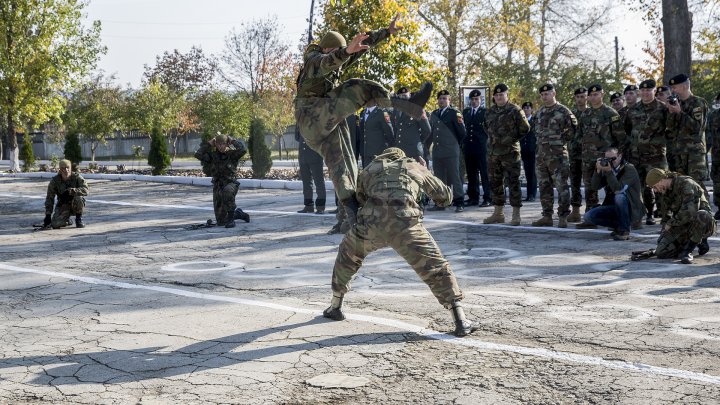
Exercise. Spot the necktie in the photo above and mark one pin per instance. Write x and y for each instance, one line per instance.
(473, 113)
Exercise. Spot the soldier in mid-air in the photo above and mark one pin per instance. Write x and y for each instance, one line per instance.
(389, 190)
(70, 189)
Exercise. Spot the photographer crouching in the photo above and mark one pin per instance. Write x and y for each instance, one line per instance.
(622, 204)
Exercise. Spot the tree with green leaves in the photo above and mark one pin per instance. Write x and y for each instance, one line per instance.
(224, 112)
(44, 49)
(158, 157)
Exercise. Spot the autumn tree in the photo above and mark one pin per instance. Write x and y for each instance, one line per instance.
(183, 72)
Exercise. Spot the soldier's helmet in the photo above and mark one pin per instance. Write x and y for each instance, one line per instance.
(333, 39)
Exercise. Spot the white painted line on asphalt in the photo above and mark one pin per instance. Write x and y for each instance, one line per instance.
(429, 333)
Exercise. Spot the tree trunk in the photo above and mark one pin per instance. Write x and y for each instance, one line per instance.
(93, 146)
(677, 32)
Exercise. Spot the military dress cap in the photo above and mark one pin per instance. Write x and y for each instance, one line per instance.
(615, 96)
(220, 138)
(443, 93)
(475, 93)
(594, 88)
(663, 88)
(546, 87)
(679, 79)
(580, 90)
(654, 176)
(65, 163)
(402, 90)
(630, 87)
(333, 39)
(500, 88)
(527, 104)
(648, 84)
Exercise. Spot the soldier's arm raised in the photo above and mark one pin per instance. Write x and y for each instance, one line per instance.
(239, 149)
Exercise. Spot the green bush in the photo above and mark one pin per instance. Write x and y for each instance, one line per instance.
(158, 156)
(72, 150)
(26, 153)
(259, 152)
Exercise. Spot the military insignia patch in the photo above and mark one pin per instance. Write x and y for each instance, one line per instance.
(615, 118)
(697, 113)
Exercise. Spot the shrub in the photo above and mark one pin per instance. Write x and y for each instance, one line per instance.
(26, 153)
(72, 150)
(259, 152)
(158, 157)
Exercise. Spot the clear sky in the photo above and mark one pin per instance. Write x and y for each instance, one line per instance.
(136, 31)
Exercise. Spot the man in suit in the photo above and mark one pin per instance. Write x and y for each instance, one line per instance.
(475, 152)
(311, 172)
(376, 132)
(528, 144)
(448, 132)
(410, 133)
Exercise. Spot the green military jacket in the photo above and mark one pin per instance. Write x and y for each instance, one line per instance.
(505, 126)
(575, 144)
(554, 127)
(646, 135)
(682, 200)
(389, 190)
(599, 129)
(714, 135)
(64, 190)
(222, 167)
(687, 128)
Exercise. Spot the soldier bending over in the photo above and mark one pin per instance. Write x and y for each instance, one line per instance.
(389, 190)
(70, 189)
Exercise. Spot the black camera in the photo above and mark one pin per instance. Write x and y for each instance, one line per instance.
(672, 99)
(605, 162)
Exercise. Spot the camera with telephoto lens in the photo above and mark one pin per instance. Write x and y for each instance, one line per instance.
(672, 99)
(605, 162)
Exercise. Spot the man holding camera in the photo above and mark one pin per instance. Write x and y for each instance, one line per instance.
(622, 204)
(70, 190)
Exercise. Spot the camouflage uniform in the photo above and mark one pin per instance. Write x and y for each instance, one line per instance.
(389, 190)
(714, 132)
(323, 103)
(645, 146)
(70, 198)
(576, 174)
(554, 127)
(222, 167)
(505, 127)
(621, 137)
(687, 130)
(598, 129)
(688, 215)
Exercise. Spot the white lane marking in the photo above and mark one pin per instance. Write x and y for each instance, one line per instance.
(429, 333)
(203, 266)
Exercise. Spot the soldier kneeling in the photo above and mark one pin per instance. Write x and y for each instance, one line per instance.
(70, 189)
(688, 220)
(389, 190)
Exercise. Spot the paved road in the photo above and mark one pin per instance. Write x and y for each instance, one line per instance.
(136, 308)
(142, 164)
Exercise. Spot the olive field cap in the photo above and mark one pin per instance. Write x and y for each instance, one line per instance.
(654, 176)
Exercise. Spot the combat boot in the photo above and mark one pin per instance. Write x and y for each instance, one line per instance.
(686, 256)
(574, 215)
(497, 217)
(309, 209)
(703, 247)
(240, 214)
(414, 106)
(80, 224)
(515, 221)
(463, 326)
(562, 221)
(334, 311)
(230, 224)
(546, 220)
(586, 225)
(649, 220)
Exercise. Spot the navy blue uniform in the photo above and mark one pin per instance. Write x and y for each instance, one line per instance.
(528, 146)
(475, 152)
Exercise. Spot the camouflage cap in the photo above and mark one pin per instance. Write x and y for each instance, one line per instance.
(65, 163)
(220, 138)
(333, 39)
(654, 176)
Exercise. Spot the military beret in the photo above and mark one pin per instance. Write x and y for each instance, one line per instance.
(615, 96)
(443, 93)
(527, 104)
(580, 90)
(402, 90)
(662, 88)
(333, 39)
(654, 176)
(475, 93)
(648, 84)
(220, 138)
(546, 87)
(681, 78)
(65, 163)
(500, 88)
(630, 87)
(594, 88)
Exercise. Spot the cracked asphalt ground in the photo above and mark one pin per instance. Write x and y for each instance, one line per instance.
(136, 308)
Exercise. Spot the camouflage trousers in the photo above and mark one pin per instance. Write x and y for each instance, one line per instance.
(553, 172)
(693, 165)
(672, 242)
(715, 176)
(648, 195)
(322, 123)
(409, 238)
(591, 195)
(576, 182)
(505, 167)
(62, 213)
(224, 201)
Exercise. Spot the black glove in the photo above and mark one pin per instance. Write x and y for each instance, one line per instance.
(46, 221)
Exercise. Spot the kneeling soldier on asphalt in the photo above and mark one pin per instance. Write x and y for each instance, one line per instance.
(389, 190)
(219, 159)
(70, 189)
(687, 222)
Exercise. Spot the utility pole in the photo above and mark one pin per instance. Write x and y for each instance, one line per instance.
(617, 60)
(310, 27)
